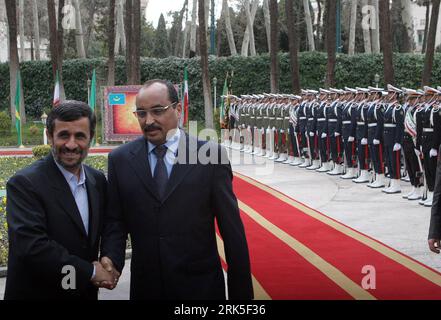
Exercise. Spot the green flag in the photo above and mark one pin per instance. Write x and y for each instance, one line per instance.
(222, 106)
(17, 109)
(92, 98)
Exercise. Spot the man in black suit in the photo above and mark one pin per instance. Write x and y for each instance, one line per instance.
(166, 195)
(435, 219)
(55, 208)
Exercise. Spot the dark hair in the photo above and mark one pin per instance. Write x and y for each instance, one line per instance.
(71, 110)
(172, 93)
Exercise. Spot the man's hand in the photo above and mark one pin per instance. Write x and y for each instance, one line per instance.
(376, 142)
(434, 245)
(417, 152)
(336, 134)
(433, 153)
(107, 264)
(103, 278)
(397, 147)
(364, 141)
(324, 135)
(311, 134)
(351, 139)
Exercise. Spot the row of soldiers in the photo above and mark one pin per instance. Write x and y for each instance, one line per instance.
(361, 134)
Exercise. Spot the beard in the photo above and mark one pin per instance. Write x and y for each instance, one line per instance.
(58, 152)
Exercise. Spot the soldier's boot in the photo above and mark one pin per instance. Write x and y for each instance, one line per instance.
(394, 187)
(415, 194)
(338, 170)
(305, 163)
(282, 157)
(326, 166)
(363, 177)
(297, 161)
(429, 200)
(378, 183)
(350, 173)
(315, 165)
(289, 160)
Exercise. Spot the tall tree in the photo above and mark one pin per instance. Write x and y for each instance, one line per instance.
(366, 27)
(193, 29)
(308, 21)
(375, 28)
(274, 48)
(426, 26)
(229, 30)
(14, 67)
(430, 50)
(133, 36)
(176, 31)
(162, 46)
(56, 43)
(208, 107)
(36, 27)
(293, 46)
(266, 15)
(352, 28)
(79, 36)
(111, 41)
(386, 42)
(21, 28)
(331, 42)
(120, 32)
(248, 39)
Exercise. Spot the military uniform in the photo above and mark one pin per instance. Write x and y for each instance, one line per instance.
(311, 129)
(348, 131)
(361, 133)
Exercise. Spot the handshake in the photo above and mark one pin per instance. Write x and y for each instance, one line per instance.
(106, 275)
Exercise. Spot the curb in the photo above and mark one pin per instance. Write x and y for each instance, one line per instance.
(4, 270)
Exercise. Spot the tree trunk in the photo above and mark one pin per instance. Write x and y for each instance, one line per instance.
(376, 28)
(120, 34)
(352, 28)
(91, 18)
(193, 29)
(208, 107)
(293, 46)
(426, 27)
(21, 26)
(266, 16)
(406, 16)
(331, 42)
(274, 48)
(129, 42)
(430, 50)
(308, 22)
(179, 31)
(366, 31)
(230, 35)
(36, 28)
(386, 42)
(111, 40)
(319, 24)
(186, 32)
(136, 34)
(248, 38)
(79, 37)
(60, 48)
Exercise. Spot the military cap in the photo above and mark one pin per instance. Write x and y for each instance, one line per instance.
(391, 88)
(430, 90)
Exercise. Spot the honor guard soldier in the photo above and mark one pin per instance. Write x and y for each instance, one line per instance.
(361, 137)
(302, 128)
(349, 126)
(428, 139)
(311, 128)
(276, 125)
(258, 139)
(325, 98)
(334, 117)
(409, 140)
(283, 131)
(393, 133)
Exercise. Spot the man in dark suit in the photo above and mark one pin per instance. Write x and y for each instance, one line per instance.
(55, 208)
(435, 219)
(169, 209)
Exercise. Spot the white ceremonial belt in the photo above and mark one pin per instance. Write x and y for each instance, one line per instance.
(372, 124)
(321, 119)
(332, 120)
(259, 118)
(302, 118)
(360, 123)
(286, 118)
(390, 125)
(346, 122)
(279, 118)
(427, 129)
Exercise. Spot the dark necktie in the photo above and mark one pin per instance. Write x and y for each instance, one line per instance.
(160, 174)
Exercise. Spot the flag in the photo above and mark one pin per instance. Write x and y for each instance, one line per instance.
(92, 97)
(185, 101)
(17, 109)
(223, 105)
(56, 101)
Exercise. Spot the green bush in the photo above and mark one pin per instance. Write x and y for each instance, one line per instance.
(251, 75)
(5, 122)
(41, 151)
(34, 130)
(3, 233)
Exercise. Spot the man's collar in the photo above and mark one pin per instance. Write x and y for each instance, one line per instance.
(172, 143)
(69, 176)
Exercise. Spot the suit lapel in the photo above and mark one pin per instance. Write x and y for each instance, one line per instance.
(140, 164)
(63, 194)
(93, 197)
(182, 167)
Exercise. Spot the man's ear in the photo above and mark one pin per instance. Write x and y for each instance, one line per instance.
(50, 138)
(179, 109)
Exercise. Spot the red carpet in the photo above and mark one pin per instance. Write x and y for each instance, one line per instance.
(298, 253)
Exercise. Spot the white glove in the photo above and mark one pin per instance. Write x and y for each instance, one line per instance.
(433, 153)
(311, 134)
(417, 152)
(336, 134)
(364, 141)
(375, 141)
(351, 139)
(397, 146)
(324, 135)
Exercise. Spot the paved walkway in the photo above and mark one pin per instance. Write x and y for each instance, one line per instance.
(399, 223)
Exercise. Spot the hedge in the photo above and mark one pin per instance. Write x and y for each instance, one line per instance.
(251, 75)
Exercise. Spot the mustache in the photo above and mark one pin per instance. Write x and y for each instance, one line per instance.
(151, 127)
(65, 149)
